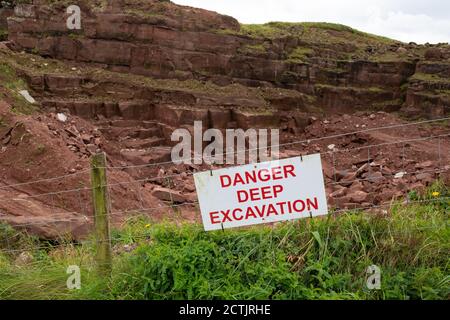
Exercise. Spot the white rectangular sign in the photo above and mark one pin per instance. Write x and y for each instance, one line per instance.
(265, 192)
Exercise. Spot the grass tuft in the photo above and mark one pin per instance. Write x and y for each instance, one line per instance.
(12, 84)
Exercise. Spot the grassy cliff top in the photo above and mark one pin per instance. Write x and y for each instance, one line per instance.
(309, 30)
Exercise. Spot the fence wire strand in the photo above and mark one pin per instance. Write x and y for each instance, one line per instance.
(335, 212)
(82, 216)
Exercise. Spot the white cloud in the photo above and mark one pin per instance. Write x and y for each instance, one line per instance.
(406, 20)
(420, 28)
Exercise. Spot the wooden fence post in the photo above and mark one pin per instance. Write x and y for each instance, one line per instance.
(101, 218)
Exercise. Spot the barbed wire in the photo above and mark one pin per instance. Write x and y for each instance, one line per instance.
(24, 198)
(112, 213)
(292, 143)
(387, 176)
(254, 149)
(187, 174)
(321, 153)
(236, 152)
(44, 180)
(142, 209)
(370, 179)
(150, 179)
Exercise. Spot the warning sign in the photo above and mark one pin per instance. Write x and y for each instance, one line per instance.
(265, 192)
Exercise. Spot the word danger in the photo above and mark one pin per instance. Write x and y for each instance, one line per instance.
(254, 176)
(279, 208)
(267, 192)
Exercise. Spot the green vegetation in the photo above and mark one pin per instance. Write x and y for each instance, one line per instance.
(153, 10)
(145, 14)
(331, 26)
(253, 49)
(391, 56)
(268, 30)
(388, 106)
(56, 2)
(373, 90)
(335, 70)
(273, 30)
(36, 65)
(444, 92)
(323, 39)
(323, 258)
(12, 84)
(40, 149)
(300, 55)
(75, 36)
(12, 3)
(429, 77)
(3, 34)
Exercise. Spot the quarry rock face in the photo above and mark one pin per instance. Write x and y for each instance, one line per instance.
(162, 40)
(137, 70)
(5, 13)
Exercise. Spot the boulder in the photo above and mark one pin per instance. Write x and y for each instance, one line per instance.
(425, 164)
(362, 169)
(425, 177)
(356, 186)
(376, 177)
(433, 54)
(348, 179)
(219, 118)
(445, 177)
(136, 110)
(338, 193)
(419, 187)
(358, 196)
(246, 120)
(386, 171)
(61, 117)
(4, 14)
(400, 175)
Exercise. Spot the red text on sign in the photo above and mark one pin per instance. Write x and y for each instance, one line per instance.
(255, 176)
(255, 194)
(264, 211)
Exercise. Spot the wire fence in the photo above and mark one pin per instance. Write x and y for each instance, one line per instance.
(156, 178)
(147, 235)
(80, 212)
(81, 215)
(62, 177)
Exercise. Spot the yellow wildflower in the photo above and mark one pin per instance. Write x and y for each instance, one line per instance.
(435, 194)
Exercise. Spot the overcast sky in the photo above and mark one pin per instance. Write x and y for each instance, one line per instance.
(420, 21)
